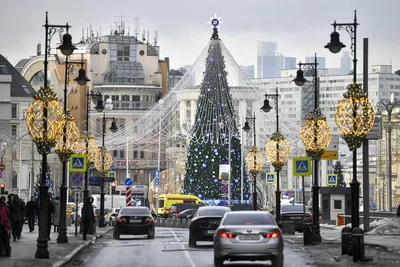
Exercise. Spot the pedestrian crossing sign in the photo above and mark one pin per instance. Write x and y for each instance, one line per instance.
(270, 178)
(331, 179)
(77, 163)
(302, 166)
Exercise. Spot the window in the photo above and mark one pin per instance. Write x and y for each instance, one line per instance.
(136, 98)
(125, 101)
(115, 100)
(122, 52)
(142, 154)
(135, 155)
(250, 219)
(14, 131)
(122, 154)
(337, 204)
(26, 90)
(115, 154)
(14, 110)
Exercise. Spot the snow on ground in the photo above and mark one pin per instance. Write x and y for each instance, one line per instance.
(384, 226)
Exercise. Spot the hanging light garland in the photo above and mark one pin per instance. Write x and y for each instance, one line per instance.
(315, 134)
(355, 116)
(79, 147)
(254, 160)
(103, 160)
(277, 150)
(65, 149)
(44, 128)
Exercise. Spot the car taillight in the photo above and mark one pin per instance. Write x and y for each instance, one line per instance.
(149, 220)
(227, 235)
(178, 215)
(272, 234)
(121, 220)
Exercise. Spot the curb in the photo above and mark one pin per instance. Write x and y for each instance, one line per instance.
(78, 249)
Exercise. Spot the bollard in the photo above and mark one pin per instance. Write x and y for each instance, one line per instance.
(307, 233)
(174, 222)
(162, 222)
(178, 223)
(168, 222)
(346, 234)
(184, 225)
(357, 242)
(158, 222)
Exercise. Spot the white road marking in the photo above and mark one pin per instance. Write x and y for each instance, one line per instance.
(183, 247)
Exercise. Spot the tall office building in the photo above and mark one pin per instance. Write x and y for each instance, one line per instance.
(269, 63)
(345, 63)
(289, 63)
(248, 70)
(320, 61)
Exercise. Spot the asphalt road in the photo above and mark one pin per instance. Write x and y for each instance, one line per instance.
(169, 249)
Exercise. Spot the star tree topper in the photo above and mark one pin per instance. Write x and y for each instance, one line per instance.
(215, 21)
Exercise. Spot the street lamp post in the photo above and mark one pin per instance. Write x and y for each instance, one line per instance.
(42, 122)
(389, 107)
(315, 135)
(104, 159)
(277, 149)
(253, 159)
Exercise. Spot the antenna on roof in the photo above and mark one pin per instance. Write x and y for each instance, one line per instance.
(38, 49)
(144, 36)
(136, 25)
(155, 38)
(148, 36)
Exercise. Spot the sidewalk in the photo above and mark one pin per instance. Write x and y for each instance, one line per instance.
(23, 250)
(333, 236)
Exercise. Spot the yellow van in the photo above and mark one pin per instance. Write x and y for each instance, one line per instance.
(166, 201)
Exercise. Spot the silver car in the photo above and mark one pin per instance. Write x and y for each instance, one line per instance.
(248, 236)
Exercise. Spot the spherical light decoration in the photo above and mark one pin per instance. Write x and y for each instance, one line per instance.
(64, 149)
(315, 134)
(355, 116)
(103, 160)
(79, 147)
(42, 119)
(254, 160)
(277, 150)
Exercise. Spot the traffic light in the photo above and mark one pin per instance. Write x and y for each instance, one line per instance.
(2, 189)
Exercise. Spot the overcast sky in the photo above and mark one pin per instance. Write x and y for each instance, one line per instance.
(301, 28)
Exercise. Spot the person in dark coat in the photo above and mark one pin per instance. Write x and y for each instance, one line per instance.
(22, 208)
(16, 215)
(49, 216)
(4, 228)
(87, 216)
(32, 209)
(398, 210)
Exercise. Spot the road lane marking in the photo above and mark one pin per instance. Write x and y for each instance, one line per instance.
(183, 248)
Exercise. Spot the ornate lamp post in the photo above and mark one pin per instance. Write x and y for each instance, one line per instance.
(277, 149)
(254, 161)
(42, 121)
(316, 135)
(104, 158)
(389, 107)
(64, 149)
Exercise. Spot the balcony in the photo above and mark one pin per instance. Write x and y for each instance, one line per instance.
(129, 105)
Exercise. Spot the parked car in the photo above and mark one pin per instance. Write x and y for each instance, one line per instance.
(294, 212)
(248, 236)
(186, 214)
(179, 207)
(204, 223)
(134, 221)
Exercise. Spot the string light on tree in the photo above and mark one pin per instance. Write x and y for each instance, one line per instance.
(98, 161)
(79, 147)
(64, 150)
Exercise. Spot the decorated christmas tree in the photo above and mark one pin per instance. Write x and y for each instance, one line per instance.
(338, 170)
(215, 124)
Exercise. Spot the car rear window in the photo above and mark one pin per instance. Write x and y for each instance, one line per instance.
(248, 219)
(292, 208)
(135, 211)
(212, 212)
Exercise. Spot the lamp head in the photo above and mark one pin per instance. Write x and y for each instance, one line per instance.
(266, 107)
(113, 127)
(300, 80)
(99, 107)
(67, 48)
(109, 104)
(335, 45)
(82, 79)
(246, 127)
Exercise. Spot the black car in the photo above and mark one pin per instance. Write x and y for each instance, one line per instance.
(204, 223)
(179, 207)
(134, 221)
(294, 213)
(186, 214)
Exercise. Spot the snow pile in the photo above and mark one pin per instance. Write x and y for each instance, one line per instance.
(385, 226)
(330, 226)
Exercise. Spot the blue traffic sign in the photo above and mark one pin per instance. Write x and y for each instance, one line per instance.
(77, 163)
(157, 181)
(128, 182)
(331, 179)
(270, 179)
(98, 179)
(77, 177)
(302, 167)
(157, 173)
(94, 183)
(112, 168)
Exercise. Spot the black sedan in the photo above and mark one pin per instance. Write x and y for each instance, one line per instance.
(204, 223)
(134, 221)
(295, 213)
(186, 214)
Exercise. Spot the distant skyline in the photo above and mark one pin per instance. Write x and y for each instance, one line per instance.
(183, 31)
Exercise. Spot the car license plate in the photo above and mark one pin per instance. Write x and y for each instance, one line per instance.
(135, 220)
(211, 231)
(295, 218)
(249, 237)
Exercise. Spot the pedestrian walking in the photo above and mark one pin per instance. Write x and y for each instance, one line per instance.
(22, 207)
(32, 210)
(49, 216)
(87, 216)
(398, 210)
(5, 226)
(56, 216)
(16, 215)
